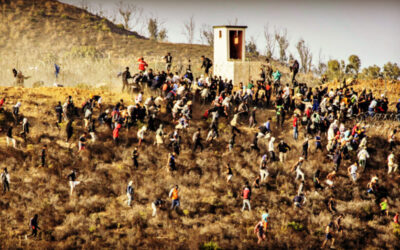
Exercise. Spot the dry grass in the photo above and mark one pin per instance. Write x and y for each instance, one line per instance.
(96, 216)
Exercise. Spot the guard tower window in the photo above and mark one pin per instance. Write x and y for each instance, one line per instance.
(220, 34)
(235, 44)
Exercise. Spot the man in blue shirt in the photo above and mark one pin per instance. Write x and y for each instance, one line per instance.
(57, 70)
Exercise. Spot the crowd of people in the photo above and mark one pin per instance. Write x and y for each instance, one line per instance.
(318, 116)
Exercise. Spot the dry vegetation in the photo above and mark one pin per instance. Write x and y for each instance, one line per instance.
(37, 34)
(91, 51)
(97, 216)
(390, 88)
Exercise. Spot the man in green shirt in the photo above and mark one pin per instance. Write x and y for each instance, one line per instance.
(384, 207)
(250, 85)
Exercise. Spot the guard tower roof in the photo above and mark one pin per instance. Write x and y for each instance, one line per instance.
(230, 26)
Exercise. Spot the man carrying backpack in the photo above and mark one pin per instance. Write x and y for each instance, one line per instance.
(260, 232)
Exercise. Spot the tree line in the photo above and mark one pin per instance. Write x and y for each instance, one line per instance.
(276, 42)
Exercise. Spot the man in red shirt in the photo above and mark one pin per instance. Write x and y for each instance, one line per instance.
(116, 133)
(142, 64)
(2, 103)
(246, 193)
(295, 127)
(308, 112)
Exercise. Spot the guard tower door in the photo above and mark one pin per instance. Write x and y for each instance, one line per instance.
(235, 44)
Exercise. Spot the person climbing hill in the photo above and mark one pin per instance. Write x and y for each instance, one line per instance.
(246, 194)
(174, 195)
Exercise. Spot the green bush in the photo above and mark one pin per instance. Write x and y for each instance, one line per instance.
(92, 228)
(102, 26)
(121, 26)
(210, 246)
(105, 28)
(296, 226)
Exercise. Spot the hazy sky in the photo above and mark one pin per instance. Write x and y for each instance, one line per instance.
(369, 29)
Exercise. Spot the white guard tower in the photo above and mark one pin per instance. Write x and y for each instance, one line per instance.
(229, 53)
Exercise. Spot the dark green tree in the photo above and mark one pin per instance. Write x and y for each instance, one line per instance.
(391, 71)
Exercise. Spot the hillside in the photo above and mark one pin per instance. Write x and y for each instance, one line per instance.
(97, 215)
(89, 49)
(91, 52)
(37, 34)
(53, 26)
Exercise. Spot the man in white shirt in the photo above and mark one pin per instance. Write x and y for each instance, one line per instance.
(139, 98)
(331, 93)
(181, 90)
(5, 178)
(362, 158)
(176, 109)
(271, 148)
(371, 107)
(264, 168)
(392, 166)
(352, 170)
(286, 91)
(297, 167)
